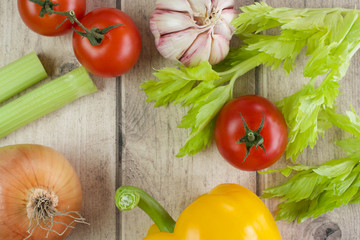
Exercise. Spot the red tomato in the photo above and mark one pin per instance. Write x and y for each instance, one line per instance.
(230, 128)
(119, 50)
(46, 25)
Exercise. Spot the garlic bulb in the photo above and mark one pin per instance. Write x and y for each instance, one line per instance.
(193, 31)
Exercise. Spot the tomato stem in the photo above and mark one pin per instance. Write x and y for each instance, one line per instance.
(95, 35)
(39, 2)
(252, 138)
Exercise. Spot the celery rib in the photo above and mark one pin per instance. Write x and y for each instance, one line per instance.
(20, 75)
(45, 99)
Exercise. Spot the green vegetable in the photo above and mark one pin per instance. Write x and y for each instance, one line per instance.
(45, 99)
(313, 191)
(20, 75)
(331, 37)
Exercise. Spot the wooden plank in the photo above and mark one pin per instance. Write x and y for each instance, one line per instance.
(151, 139)
(84, 131)
(342, 223)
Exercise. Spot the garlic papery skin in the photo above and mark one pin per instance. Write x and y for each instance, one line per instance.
(193, 31)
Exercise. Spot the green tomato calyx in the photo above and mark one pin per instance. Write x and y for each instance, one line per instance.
(95, 35)
(252, 138)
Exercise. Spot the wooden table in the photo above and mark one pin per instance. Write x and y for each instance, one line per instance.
(114, 138)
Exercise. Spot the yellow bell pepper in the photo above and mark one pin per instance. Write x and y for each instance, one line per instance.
(228, 212)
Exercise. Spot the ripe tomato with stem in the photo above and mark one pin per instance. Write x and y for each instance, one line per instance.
(39, 17)
(251, 133)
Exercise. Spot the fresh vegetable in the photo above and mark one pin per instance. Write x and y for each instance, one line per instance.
(40, 193)
(193, 31)
(118, 50)
(315, 190)
(45, 99)
(107, 41)
(331, 37)
(229, 211)
(250, 133)
(20, 75)
(36, 14)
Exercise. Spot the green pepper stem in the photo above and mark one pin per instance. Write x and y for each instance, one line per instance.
(129, 197)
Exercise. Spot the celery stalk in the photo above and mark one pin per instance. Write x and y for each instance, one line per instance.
(45, 99)
(20, 75)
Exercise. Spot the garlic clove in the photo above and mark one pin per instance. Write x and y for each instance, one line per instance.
(219, 5)
(174, 5)
(222, 28)
(228, 15)
(199, 51)
(219, 48)
(174, 45)
(164, 22)
(201, 8)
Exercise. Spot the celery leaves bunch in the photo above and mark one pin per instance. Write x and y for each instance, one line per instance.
(330, 36)
(313, 191)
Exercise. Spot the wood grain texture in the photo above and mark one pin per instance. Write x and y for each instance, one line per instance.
(151, 139)
(84, 131)
(343, 222)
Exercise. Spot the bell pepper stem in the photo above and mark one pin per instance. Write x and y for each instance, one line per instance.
(129, 197)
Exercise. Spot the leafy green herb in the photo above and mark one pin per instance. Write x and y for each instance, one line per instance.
(313, 191)
(331, 37)
(195, 86)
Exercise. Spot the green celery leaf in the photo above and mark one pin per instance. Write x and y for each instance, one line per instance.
(202, 72)
(356, 198)
(292, 210)
(349, 123)
(317, 64)
(176, 83)
(253, 19)
(200, 119)
(300, 111)
(199, 141)
(313, 191)
(351, 146)
(206, 108)
(309, 194)
(337, 167)
(278, 47)
(339, 187)
(304, 113)
(343, 28)
(201, 89)
(165, 91)
(284, 171)
(287, 170)
(302, 188)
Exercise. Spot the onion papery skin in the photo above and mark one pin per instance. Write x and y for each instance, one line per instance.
(24, 168)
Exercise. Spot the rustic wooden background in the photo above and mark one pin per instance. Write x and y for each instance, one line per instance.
(114, 138)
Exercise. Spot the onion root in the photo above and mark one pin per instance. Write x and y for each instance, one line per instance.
(41, 211)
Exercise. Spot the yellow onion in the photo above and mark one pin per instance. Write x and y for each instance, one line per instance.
(40, 193)
(193, 31)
